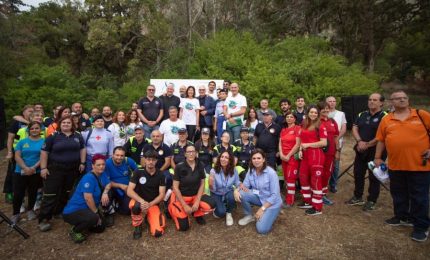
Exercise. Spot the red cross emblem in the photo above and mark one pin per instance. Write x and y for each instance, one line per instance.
(98, 137)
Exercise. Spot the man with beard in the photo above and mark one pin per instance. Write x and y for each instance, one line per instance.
(84, 121)
(107, 116)
(285, 106)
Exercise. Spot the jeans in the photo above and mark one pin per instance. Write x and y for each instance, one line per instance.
(333, 178)
(219, 130)
(234, 133)
(264, 225)
(224, 203)
(410, 193)
(148, 130)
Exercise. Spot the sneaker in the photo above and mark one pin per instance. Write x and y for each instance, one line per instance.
(246, 220)
(22, 209)
(229, 219)
(15, 219)
(304, 205)
(419, 236)
(137, 233)
(327, 201)
(394, 221)
(109, 220)
(8, 197)
(31, 215)
(312, 212)
(215, 216)
(355, 201)
(200, 221)
(44, 226)
(369, 206)
(77, 237)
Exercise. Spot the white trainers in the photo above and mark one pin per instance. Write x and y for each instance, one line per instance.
(229, 219)
(246, 220)
(31, 215)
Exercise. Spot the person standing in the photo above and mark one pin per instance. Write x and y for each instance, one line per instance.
(189, 112)
(264, 108)
(212, 91)
(107, 116)
(169, 127)
(146, 189)
(285, 106)
(266, 137)
(404, 133)
(300, 109)
(219, 114)
(118, 129)
(234, 109)
(151, 110)
(364, 132)
(340, 119)
(134, 146)
(169, 100)
(207, 109)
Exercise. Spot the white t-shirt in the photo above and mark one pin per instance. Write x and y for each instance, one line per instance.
(170, 130)
(234, 104)
(189, 107)
(340, 119)
(130, 128)
(214, 95)
(119, 134)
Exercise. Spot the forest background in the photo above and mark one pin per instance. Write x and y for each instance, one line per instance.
(103, 52)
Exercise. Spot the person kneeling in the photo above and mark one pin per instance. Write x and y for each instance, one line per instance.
(82, 209)
(260, 188)
(188, 187)
(146, 189)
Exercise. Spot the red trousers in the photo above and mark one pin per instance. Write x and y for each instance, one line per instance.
(311, 175)
(156, 219)
(290, 169)
(180, 217)
(328, 169)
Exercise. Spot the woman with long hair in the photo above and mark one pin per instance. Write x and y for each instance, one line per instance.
(289, 143)
(223, 179)
(132, 121)
(313, 137)
(260, 188)
(63, 112)
(189, 112)
(118, 128)
(251, 121)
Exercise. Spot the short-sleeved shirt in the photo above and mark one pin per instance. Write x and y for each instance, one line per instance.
(367, 124)
(219, 108)
(147, 185)
(178, 151)
(270, 111)
(172, 101)
(312, 136)
(189, 180)
(288, 138)
(120, 173)
(134, 150)
(267, 137)
(340, 119)
(30, 152)
(332, 132)
(14, 128)
(88, 184)
(235, 104)
(150, 109)
(405, 141)
(169, 129)
(243, 152)
(189, 107)
(163, 151)
(64, 149)
(205, 153)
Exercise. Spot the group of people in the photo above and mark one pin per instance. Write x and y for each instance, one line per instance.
(189, 156)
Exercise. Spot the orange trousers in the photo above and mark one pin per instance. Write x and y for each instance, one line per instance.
(180, 217)
(156, 220)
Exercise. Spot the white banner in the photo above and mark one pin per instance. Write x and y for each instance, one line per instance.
(161, 84)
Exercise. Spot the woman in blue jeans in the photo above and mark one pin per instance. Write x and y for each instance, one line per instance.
(222, 181)
(260, 188)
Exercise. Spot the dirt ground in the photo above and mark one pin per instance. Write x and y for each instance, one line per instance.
(341, 232)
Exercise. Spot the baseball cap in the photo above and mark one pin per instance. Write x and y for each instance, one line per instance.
(182, 130)
(244, 129)
(206, 130)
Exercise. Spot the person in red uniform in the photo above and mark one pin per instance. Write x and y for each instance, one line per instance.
(332, 150)
(289, 144)
(313, 137)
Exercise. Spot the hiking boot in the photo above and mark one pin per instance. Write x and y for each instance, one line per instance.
(31, 215)
(200, 221)
(229, 219)
(15, 219)
(137, 233)
(327, 201)
(313, 212)
(246, 220)
(394, 221)
(419, 236)
(8, 197)
(44, 226)
(369, 206)
(109, 220)
(355, 201)
(77, 237)
(304, 205)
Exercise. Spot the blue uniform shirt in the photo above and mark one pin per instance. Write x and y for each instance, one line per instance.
(223, 184)
(30, 152)
(120, 173)
(267, 185)
(88, 184)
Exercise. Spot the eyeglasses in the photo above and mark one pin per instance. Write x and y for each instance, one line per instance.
(35, 128)
(151, 89)
(190, 152)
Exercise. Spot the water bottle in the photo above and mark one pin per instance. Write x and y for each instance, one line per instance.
(379, 172)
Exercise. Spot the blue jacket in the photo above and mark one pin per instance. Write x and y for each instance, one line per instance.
(209, 104)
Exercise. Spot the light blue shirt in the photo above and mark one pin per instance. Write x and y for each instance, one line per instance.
(223, 184)
(100, 142)
(267, 185)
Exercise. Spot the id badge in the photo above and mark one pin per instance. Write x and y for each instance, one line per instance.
(256, 192)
